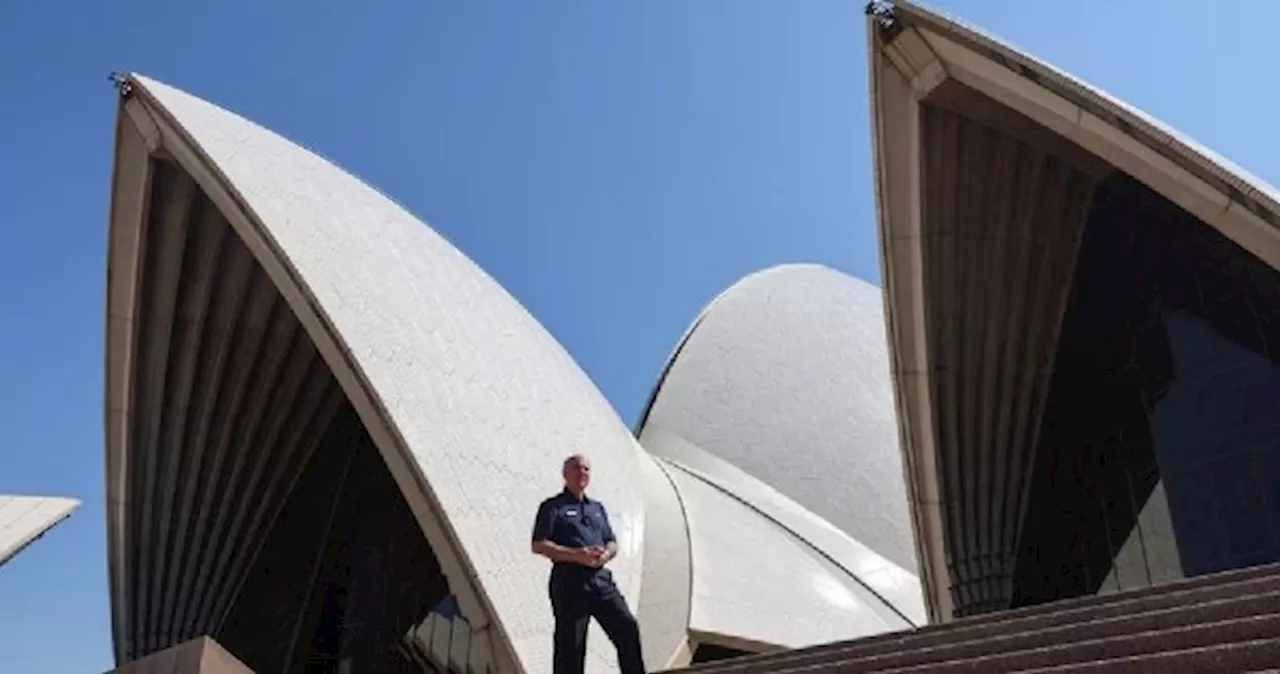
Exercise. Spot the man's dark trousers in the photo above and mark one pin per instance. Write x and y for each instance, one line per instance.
(575, 601)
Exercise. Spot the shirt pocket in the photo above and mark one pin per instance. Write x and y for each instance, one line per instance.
(569, 527)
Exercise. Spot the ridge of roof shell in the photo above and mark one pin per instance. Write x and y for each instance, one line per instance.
(1256, 195)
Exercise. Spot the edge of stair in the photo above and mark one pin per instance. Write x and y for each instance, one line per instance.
(1206, 592)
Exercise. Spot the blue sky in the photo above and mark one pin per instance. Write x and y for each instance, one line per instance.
(613, 166)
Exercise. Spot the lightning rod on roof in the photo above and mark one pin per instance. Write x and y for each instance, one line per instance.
(882, 11)
(121, 82)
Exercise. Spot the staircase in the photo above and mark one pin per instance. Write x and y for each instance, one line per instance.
(1227, 622)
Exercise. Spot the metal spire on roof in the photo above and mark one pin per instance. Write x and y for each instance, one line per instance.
(122, 83)
(882, 10)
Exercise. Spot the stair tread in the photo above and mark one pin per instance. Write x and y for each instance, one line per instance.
(1254, 654)
(1117, 627)
(1203, 635)
(1208, 596)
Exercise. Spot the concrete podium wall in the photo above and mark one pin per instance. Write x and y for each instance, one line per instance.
(201, 655)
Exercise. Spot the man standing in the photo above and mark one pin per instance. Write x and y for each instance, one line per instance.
(573, 532)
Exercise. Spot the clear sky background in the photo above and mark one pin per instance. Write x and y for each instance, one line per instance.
(613, 165)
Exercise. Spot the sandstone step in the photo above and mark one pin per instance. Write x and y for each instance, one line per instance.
(1162, 620)
(1254, 656)
(1202, 591)
(1257, 656)
(1201, 636)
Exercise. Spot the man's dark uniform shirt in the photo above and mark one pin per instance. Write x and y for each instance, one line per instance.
(564, 520)
(579, 592)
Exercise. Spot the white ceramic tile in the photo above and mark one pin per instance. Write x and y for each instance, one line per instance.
(25, 518)
(753, 580)
(786, 377)
(899, 591)
(488, 403)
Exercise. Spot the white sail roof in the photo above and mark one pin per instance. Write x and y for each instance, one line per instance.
(23, 519)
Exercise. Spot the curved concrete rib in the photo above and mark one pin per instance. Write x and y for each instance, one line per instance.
(665, 598)
(757, 587)
(1065, 101)
(890, 595)
(470, 402)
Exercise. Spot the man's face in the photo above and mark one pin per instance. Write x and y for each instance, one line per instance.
(577, 474)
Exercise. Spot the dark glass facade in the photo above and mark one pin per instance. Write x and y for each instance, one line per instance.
(1216, 438)
(345, 580)
(1159, 456)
